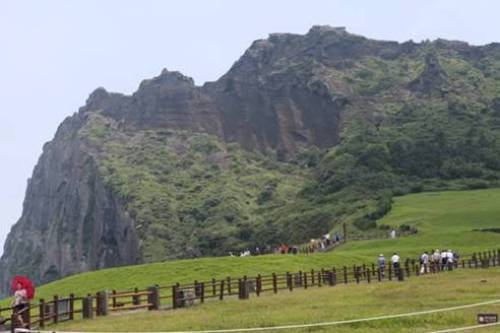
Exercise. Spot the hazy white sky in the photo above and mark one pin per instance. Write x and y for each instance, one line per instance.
(54, 53)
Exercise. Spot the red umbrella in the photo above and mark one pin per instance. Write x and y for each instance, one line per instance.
(25, 283)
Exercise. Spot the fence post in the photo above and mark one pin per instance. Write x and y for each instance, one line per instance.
(71, 306)
(345, 275)
(368, 276)
(174, 297)
(390, 272)
(136, 300)
(329, 278)
(214, 288)
(319, 278)
(113, 299)
(221, 295)
(87, 307)
(42, 313)
(55, 320)
(373, 269)
(197, 289)
(243, 289)
(202, 294)
(356, 274)
(275, 283)
(258, 287)
(334, 276)
(379, 276)
(102, 303)
(154, 298)
(305, 280)
(401, 274)
(289, 281)
(312, 277)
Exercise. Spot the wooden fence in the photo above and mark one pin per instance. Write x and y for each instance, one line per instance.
(59, 309)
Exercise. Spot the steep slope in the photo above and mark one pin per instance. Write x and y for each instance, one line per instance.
(302, 133)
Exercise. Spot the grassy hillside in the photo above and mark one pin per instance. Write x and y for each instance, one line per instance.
(444, 220)
(330, 304)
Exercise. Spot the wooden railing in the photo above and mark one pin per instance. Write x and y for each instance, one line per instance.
(59, 309)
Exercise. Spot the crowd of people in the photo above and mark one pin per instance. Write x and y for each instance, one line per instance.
(435, 261)
(323, 243)
(316, 244)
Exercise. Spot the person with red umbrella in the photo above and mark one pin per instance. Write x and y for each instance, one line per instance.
(23, 292)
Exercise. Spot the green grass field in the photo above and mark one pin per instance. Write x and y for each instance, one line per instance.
(342, 302)
(444, 220)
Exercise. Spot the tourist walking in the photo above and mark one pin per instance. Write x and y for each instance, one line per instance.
(396, 265)
(381, 265)
(424, 262)
(20, 303)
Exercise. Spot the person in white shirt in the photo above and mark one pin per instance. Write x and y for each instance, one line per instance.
(424, 261)
(393, 234)
(436, 260)
(395, 264)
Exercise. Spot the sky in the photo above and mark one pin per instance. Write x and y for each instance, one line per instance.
(54, 53)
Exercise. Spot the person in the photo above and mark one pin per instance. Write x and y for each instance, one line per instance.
(424, 261)
(20, 303)
(436, 260)
(450, 262)
(381, 264)
(395, 263)
(337, 237)
(393, 234)
(444, 259)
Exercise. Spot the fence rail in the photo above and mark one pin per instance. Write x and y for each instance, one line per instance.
(59, 309)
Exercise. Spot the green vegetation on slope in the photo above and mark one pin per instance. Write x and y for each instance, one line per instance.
(191, 195)
(329, 304)
(422, 121)
(445, 220)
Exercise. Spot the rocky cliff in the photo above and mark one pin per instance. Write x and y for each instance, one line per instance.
(176, 170)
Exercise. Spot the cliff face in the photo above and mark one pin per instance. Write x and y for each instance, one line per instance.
(71, 221)
(159, 174)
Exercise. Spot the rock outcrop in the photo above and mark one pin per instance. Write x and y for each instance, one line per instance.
(71, 221)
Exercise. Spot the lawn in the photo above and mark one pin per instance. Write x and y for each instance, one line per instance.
(325, 304)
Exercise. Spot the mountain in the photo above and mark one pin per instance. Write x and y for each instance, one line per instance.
(303, 133)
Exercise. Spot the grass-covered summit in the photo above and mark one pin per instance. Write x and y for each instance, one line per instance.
(302, 134)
